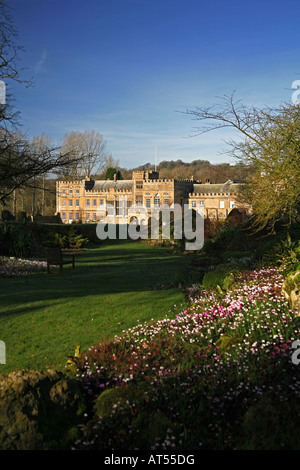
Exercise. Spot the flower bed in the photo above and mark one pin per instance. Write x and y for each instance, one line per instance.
(217, 375)
(12, 267)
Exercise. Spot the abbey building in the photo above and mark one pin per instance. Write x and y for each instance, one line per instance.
(93, 200)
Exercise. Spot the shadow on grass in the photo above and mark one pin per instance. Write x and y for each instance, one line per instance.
(114, 267)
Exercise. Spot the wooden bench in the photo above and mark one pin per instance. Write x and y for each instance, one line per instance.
(55, 257)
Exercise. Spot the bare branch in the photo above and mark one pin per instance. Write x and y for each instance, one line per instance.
(270, 145)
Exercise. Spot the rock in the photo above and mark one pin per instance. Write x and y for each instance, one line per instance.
(38, 410)
(291, 291)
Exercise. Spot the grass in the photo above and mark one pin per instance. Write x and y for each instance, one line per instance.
(214, 373)
(44, 317)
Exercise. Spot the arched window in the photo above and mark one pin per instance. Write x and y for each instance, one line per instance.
(156, 200)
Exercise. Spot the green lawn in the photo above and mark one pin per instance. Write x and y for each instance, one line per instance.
(44, 317)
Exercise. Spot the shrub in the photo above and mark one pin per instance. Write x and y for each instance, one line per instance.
(267, 426)
(225, 342)
(69, 239)
(283, 253)
(21, 217)
(75, 240)
(17, 240)
(219, 373)
(204, 262)
(221, 240)
(224, 236)
(223, 276)
(51, 239)
(6, 215)
(152, 427)
(125, 396)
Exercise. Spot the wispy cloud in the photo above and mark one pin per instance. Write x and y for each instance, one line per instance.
(39, 65)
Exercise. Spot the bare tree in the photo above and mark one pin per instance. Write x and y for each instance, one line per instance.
(9, 49)
(9, 66)
(88, 150)
(40, 145)
(270, 146)
(22, 162)
(110, 162)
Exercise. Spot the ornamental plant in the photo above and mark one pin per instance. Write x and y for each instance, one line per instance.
(69, 239)
(217, 375)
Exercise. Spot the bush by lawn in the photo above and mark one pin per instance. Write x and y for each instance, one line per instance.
(217, 376)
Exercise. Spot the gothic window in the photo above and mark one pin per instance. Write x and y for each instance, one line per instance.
(139, 200)
(156, 200)
(117, 207)
(139, 184)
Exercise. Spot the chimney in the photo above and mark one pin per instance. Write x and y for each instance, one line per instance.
(115, 177)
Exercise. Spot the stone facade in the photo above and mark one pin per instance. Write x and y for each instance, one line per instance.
(92, 201)
(216, 200)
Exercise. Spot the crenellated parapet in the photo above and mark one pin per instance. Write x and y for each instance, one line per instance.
(77, 199)
(67, 182)
(163, 180)
(211, 194)
(107, 191)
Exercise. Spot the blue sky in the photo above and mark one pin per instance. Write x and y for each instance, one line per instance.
(130, 68)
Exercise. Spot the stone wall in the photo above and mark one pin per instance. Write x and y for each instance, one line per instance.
(39, 410)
